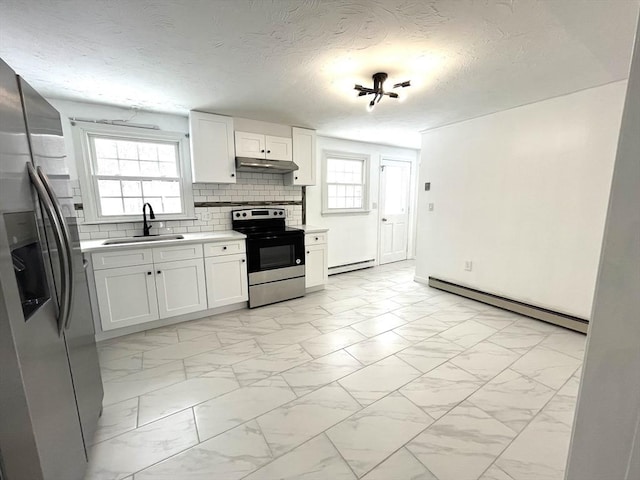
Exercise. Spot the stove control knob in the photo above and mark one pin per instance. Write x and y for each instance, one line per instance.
(281, 213)
(237, 214)
(244, 214)
(298, 261)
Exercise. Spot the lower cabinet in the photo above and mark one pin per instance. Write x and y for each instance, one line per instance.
(226, 279)
(316, 261)
(141, 285)
(181, 287)
(126, 296)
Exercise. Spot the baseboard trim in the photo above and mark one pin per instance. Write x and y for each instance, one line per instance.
(561, 319)
(349, 267)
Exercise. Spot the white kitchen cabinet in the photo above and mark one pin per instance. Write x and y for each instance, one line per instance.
(304, 155)
(226, 279)
(180, 287)
(142, 293)
(255, 145)
(316, 261)
(212, 148)
(126, 296)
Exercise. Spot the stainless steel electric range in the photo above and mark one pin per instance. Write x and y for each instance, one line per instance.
(275, 255)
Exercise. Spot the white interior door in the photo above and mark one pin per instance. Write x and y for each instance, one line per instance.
(395, 187)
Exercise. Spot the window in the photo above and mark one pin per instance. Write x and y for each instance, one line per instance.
(344, 182)
(126, 167)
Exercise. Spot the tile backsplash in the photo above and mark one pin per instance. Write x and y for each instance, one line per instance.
(213, 204)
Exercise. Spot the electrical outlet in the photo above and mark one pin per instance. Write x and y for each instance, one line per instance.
(468, 265)
(431, 207)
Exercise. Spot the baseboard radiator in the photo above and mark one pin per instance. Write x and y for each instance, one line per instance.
(349, 267)
(539, 313)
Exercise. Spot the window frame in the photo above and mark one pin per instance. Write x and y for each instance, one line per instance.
(89, 180)
(339, 155)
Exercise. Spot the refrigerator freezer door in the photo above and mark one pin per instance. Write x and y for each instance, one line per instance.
(48, 151)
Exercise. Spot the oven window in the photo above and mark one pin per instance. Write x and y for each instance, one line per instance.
(276, 256)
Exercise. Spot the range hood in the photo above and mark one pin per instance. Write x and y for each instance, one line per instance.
(244, 164)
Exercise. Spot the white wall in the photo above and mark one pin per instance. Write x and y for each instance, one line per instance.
(354, 237)
(522, 194)
(606, 436)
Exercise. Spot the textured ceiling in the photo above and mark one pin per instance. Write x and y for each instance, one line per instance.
(295, 61)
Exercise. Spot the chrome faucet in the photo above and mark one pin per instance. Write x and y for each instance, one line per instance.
(145, 226)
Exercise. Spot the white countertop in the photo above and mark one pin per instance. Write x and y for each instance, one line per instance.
(204, 237)
(312, 229)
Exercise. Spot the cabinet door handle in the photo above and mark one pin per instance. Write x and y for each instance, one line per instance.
(296, 178)
(233, 174)
(243, 260)
(159, 272)
(261, 151)
(317, 239)
(148, 273)
(268, 151)
(308, 252)
(224, 248)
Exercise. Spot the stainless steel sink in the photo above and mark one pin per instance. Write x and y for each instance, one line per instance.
(152, 238)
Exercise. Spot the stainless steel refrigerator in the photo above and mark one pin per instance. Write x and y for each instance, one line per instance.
(50, 384)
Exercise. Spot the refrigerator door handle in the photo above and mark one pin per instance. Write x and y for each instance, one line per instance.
(68, 297)
(60, 243)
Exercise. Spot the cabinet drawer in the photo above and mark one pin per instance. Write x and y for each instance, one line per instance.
(179, 252)
(121, 258)
(224, 248)
(315, 238)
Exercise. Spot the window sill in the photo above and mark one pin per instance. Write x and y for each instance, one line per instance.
(330, 213)
(138, 219)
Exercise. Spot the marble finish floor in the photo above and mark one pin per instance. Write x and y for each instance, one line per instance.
(377, 377)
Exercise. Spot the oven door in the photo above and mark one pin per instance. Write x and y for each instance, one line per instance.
(275, 251)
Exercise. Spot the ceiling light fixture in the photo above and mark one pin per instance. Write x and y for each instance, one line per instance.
(378, 89)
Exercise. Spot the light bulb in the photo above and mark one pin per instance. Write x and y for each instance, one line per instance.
(370, 106)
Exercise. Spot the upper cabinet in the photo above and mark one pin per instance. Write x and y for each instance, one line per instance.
(304, 155)
(212, 148)
(255, 145)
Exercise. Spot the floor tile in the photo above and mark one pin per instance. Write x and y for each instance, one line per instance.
(485, 360)
(569, 343)
(178, 351)
(230, 355)
(229, 456)
(539, 452)
(371, 435)
(116, 419)
(376, 325)
(236, 407)
(120, 367)
(517, 336)
(344, 305)
(512, 398)
(430, 353)
(176, 397)
(414, 312)
(547, 366)
(495, 473)
(378, 347)
(313, 375)
(132, 344)
(235, 335)
(296, 422)
(332, 341)
(451, 316)
(315, 460)
(421, 329)
(259, 368)
(375, 381)
(138, 449)
(441, 389)
(462, 444)
(339, 320)
(296, 318)
(287, 336)
(468, 333)
(142, 382)
(402, 465)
